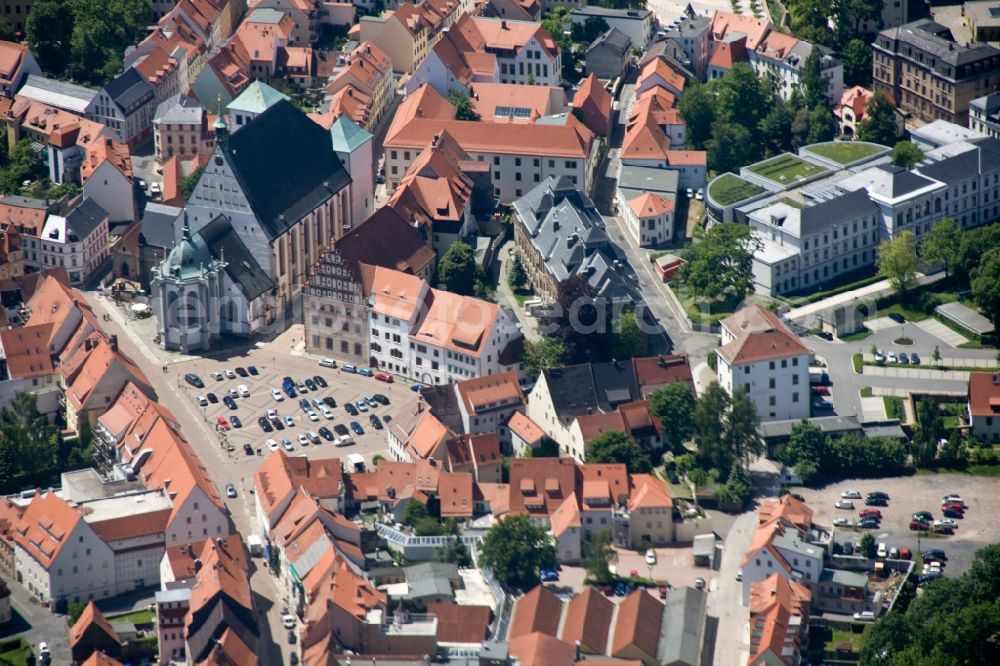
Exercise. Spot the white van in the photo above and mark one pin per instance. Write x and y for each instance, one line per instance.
(328, 363)
(345, 440)
(243, 391)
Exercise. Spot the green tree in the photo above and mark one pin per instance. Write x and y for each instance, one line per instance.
(415, 512)
(74, 610)
(190, 180)
(598, 552)
(453, 550)
(464, 109)
(720, 262)
(29, 443)
(743, 99)
(737, 489)
(807, 448)
(516, 550)
(986, 285)
(741, 428)
(458, 271)
(697, 107)
(879, 125)
(776, 127)
(942, 245)
(810, 20)
(709, 425)
(516, 277)
(628, 340)
(102, 30)
(589, 30)
(897, 261)
(376, 459)
(674, 405)
(543, 354)
(614, 446)
(23, 164)
(936, 354)
(48, 31)
(813, 84)
(428, 526)
(868, 546)
(730, 147)
(906, 154)
(857, 60)
(580, 320)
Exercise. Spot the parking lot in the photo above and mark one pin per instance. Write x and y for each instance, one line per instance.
(909, 495)
(341, 386)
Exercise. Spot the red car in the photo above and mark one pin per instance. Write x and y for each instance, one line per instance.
(865, 513)
(919, 526)
(222, 424)
(954, 506)
(821, 390)
(943, 529)
(383, 377)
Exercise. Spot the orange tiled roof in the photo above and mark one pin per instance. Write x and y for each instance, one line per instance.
(595, 101)
(223, 572)
(638, 623)
(106, 150)
(660, 69)
(796, 512)
(91, 615)
(525, 428)
(538, 610)
(566, 516)
(540, 649)
(459, 323)
(540, 485)
(647, 491)
(725, 24)
(11, 59)
(27, 352)
(984, 394)
(45, 526)
(588, 620)
(481, 392)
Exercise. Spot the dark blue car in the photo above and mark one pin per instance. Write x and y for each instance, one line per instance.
(356, 427)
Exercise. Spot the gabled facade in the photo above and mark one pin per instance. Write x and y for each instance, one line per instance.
(126, 106)
(16, 63)
(984, 406)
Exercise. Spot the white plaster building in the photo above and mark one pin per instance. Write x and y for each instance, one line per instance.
(353, 146)
(984, 406)
(760, 354)
(76, 241)
(650, 219)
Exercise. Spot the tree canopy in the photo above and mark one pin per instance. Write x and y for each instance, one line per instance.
(906, 154)
(674, 405)
(879, 125)
(942, 245)
(457, 269)
(516, 550)
(580, 321)
(986, 285)
(614, 446)
(463, 106)
(720, 262)
(816, 457)
(598, 551)
(897, 261)
(542, 354)
(628, 340)
(857, 60)
(30, 451)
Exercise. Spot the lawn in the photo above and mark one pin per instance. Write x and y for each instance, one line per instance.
(135, 617)
(729, 188)
(15, 652)
(791, 203)
(786, 169)
(845, 152)
(910, 312)
(858, 362)
(894, 407)
(522, 296)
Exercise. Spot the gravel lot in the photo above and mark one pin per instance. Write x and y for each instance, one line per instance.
(917, 493)
(343, 387)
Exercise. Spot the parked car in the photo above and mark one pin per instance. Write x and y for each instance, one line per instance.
(344, 440)
(842, 522)
(948, 522)
(699, 583)
(866, 513)
(868, 524)
(914, 358)
(384, 377)
(905, 553)
(325, 411)
(864, 616)
(876, 501)
(356, 427)
(878, 493)
(417, 388)
(851, 494)
(329, 402)
(242, 372)
(935, 554)
(361, 405)
(212, 398)
(229, 402)
(546, 575)
(376, 423)
(883, 550)
(252, 369)
(229, 374)
(844, 504)
(896, 317)
(243, 391)
(264, 424)
(305, 405)
(923, 516)
(235, 420)
(328, 363)
(365, 371)
(348, 368)
(822, 405)
(216, 375)
(222, 423)
(944, 529)
(919, 525)
(313, 416)
(350, 409)
(247, 449)
(313, 436)
(326, 434)
(277, 395)
(650, 557)
(320, 382)
(194, 380)
(290, 392)
(891, 357)
(381, 398)
(311, 385)
(303, 439)
(700, 194)
(847, 548)
(272, 445)
(952, 499)
(952, 513)
(340, 429)
(287, 444)
(230, 490)
(879, 356)
(820, 389)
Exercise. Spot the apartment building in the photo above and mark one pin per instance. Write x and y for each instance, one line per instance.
(525, 51)
(984, 115)
(636, 23)
(76, 241)
(782, 57)
(125, 105)
(779, 621)
(929, 74)
(16, 64)
(404, 34)
(367, 70)
(180, 127)
(521, 155)
(761, 355)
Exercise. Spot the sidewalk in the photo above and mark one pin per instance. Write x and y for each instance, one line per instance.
(984, 363)
(529, 325)
(871, 292)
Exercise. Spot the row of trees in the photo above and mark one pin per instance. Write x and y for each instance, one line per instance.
(970, 257)
(85, 39)
(739, 118)
(816, 457)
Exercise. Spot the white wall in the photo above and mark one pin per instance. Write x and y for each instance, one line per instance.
(83, 569)
(783, 382)
(196, 519)
(113, 192)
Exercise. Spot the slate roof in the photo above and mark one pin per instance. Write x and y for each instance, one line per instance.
(347, 136)
(158, 225)
(936, 40)
(83, 219)
(225, 244)
(385, 239)
(57, 93)
(568, 233)
(614, 383)
(683, 626)
(572, 389)
(614, 39)
(128, 88)
(178, 109)
(285, 165)
(888, 181)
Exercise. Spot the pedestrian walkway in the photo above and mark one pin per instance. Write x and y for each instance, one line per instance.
(860, 295)
(873, 408)
(942, 332)
(879, 323)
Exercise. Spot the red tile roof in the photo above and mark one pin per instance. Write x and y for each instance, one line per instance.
(588, 620)
(539, 649)
(27, 351)
(593, 99)
(525, 428)
(461, 624)
(796, 512)
(984, 394)
(45, 527)
(539, 485)
(638, 624)
(725, 24)
(759, 336)
(536, 611)
(91, 617)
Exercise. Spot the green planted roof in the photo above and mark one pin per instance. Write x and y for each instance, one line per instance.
(347, 136)
(257, 98)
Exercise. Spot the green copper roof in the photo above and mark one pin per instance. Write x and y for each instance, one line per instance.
(347, 136)
(257, 98)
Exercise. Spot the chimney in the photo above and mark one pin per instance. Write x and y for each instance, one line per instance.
(113, 342)
(197, 565)
(503, 25)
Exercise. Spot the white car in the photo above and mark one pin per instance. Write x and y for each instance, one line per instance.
(288, 621)
(217, 376)
(842, 522)
(232, 394)
(851, 494)
(883, 550)
(201, 400)
(864, 616)
(700, 194)
(313, 416)
(326, 412)
(650, 557)
(272, 414)
(243, 391)
(272, 445)
(948, 499)
(345, 440)
(313, 437)
(945, 522)
(303, 440)
(932, 567)
(277, 395)
(230, 374)
(287, 444)
(328, 363)
(892, 358)
(844, 504)
(361, 405)
(155, 190)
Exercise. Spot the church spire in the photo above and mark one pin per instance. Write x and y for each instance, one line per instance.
(221, 130)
